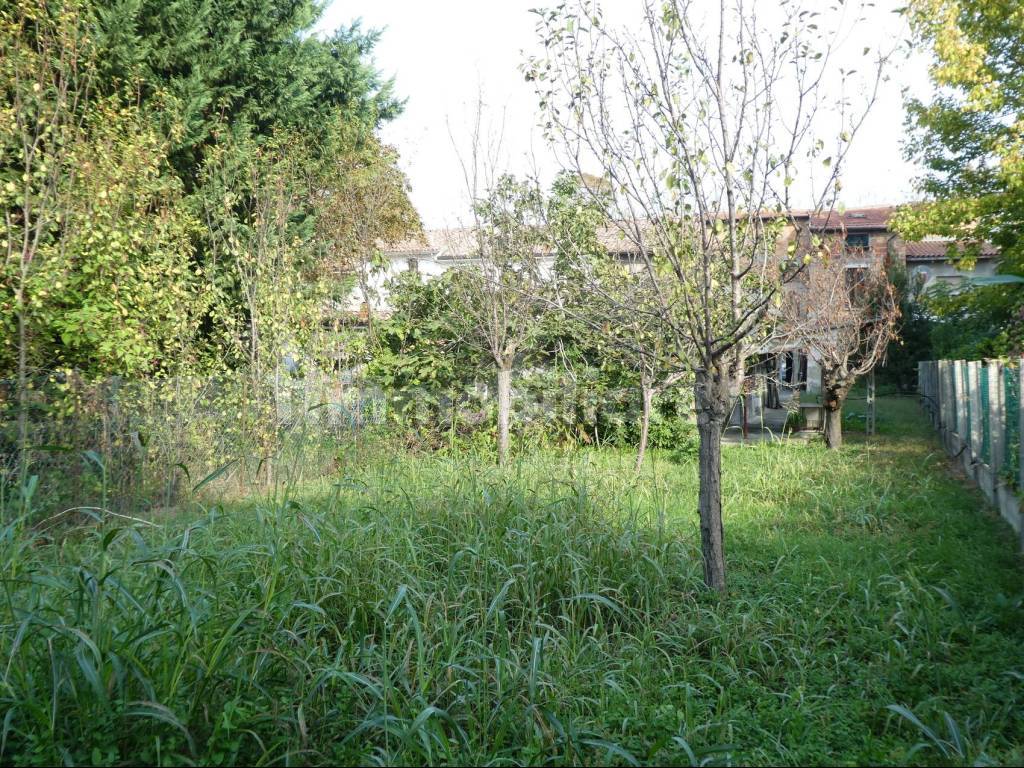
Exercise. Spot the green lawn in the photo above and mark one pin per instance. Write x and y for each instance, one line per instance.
(429, 610)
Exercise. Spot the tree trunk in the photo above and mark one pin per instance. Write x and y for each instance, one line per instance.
(504, 411)
(834, 427)
(711, 395)
(834, 392)
(645, 424)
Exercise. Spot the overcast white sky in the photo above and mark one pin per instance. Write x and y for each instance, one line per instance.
(442, 52)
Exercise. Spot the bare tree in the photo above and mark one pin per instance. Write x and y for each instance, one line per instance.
(844, 313)
(699, 121)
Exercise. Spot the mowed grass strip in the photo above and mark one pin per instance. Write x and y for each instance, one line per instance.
(422, 609)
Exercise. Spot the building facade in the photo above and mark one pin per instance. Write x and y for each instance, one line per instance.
(784, 378)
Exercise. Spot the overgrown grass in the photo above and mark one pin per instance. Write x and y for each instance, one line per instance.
(436, 610)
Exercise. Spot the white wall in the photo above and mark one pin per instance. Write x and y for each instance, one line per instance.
(429, 267)
(377, 279)
(936, 272)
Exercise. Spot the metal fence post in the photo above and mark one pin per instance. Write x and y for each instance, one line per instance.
(924, 387)
(925, 382)
(870, 421)
(954, 401)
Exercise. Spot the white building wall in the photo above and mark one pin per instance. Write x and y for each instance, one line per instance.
(377, 279)
(429, 266)
(933, 273)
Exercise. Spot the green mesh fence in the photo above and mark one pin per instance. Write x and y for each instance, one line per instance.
(986, 426)
(1011, 444)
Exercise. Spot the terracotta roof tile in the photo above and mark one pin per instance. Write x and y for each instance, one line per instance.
(854, 219)
(930, 250)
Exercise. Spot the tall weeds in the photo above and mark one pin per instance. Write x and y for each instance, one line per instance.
(426, 610)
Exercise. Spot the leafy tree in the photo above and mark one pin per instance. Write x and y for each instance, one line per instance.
(97, 240)
(117, 291)
(234, 83)
(362, 204)
(177, 181)
(416, 356)
(266, 283)
(570, 338)
(93, 203)
(970, 140)
(613, 307)
(496, 295)
(43, 78)
(683, 118)
(914, 330)
(239, 67)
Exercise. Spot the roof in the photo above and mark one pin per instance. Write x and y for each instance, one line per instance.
(938, 250)
(454, 243)
(410, 247)
(871, 219)
(457, 243)
(444, 244)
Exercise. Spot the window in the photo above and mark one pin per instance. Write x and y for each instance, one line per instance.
(413, 265)
(855, 279)
(794, 372)
(860, 241)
